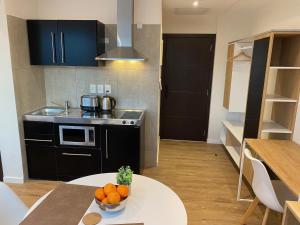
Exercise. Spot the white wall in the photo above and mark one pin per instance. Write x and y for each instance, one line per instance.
(146, 11)
(20, 8)
(243, 20)
(189, 24)
(9, 131)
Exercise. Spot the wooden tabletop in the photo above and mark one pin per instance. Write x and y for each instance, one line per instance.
(294, 207)
(283, 157)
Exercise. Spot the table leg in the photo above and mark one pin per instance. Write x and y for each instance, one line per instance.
(250, 210)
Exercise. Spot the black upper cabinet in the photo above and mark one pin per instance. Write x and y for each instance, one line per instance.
(120, 146)
(65, 42)
(43, 39)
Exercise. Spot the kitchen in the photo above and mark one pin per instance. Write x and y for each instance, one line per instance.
(134, 85)
(79, 108)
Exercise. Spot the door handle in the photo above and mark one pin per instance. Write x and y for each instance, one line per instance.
(106, 144)
(72, 154)
(37, 140)
(53, 47)
(62, 45)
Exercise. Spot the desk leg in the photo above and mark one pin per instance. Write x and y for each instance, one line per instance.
(241, 174)
(284, 215)
(250, 210)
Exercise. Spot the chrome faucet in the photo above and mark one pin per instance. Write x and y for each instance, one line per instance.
(66, 106)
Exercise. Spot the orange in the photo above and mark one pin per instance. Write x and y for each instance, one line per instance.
(99, 194)
(108, 188)
(123, 190)
(105, 200)
(114, 198)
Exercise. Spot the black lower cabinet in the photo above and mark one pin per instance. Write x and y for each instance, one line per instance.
(120, 146)
(41, 161)
(75, 162)
(47, 159)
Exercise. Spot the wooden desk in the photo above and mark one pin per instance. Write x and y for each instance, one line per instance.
(283, 158)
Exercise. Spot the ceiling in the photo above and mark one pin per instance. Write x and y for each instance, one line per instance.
(210, 7)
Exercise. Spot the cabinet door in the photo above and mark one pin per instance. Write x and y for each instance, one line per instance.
(43, 40)
(228, 77)
(77, 42)
(256, 87)
(120, 146)
(41, 161)
(42, 131)
(77, 162)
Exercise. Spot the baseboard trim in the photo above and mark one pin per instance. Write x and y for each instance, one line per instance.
(13, 180)
(214, 141)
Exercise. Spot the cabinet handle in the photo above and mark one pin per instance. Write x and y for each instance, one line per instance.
(38, 140)
(53, 47)
(106, 144)
(62, 47)
(71, 154)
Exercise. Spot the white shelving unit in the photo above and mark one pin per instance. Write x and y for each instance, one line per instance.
(234, 152)
(278, 98)
(236, 128)
(272, 127)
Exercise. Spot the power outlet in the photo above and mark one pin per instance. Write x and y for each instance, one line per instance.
(100, 89)
(93, 89)
(107, 88)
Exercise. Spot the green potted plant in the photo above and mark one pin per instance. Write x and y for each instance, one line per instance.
(124, 175)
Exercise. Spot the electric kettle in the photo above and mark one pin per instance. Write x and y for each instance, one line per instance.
(107, 103)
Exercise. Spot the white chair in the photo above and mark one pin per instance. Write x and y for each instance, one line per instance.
(272, 194)
(12, 209)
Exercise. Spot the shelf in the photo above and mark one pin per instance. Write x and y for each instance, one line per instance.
(236, 128)
(241, 60)
(272, 127)
(234, 153)
(246, 47)
(278, 98)
(285, 67)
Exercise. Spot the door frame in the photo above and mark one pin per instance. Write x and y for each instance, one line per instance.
(165, 36)
(1, 169)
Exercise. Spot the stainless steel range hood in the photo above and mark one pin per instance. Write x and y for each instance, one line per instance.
(125, 50)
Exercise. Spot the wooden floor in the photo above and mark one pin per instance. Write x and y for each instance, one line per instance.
(201, 174)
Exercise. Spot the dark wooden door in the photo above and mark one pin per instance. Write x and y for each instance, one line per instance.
(43, 42)
(186, 86)
(120, 146)
(78, 42)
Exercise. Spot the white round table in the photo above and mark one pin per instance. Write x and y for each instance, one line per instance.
(150, 202)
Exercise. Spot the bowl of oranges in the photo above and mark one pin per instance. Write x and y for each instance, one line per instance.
(111, 197)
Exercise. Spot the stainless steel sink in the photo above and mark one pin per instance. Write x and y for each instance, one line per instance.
(48, 111)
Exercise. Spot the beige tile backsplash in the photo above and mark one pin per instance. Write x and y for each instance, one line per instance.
(135, 85)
